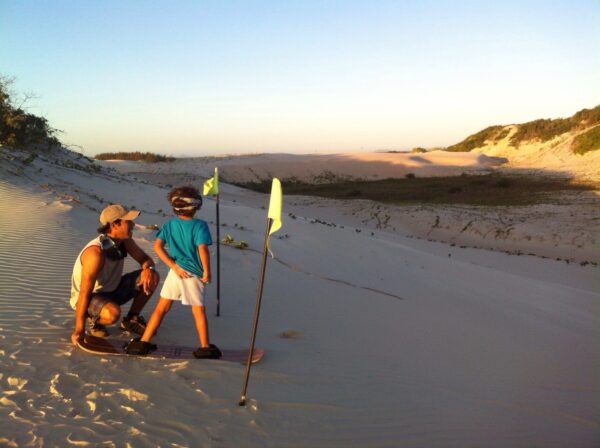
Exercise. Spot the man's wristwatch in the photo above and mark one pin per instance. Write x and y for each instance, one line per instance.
(149, 267)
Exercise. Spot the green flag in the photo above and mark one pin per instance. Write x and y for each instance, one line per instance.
(274, 210)
(211, 186)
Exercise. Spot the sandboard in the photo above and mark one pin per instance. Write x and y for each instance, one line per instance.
(113, 346)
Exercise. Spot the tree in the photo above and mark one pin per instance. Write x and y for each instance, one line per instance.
(18, 127)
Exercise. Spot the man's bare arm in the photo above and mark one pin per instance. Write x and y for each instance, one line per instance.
(92, 261)
(138, 254)
(149, 279)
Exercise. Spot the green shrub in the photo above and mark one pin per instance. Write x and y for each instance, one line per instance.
(486, 190)
(588, 141)
(143, 156)
(19, 128)
(503, 183)
(541, 130)
(502, 135)
(476, 140)
(545, 130)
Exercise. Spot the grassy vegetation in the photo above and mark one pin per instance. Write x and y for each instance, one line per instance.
(588, 141)
(538, 130)
(502, 134)
(488, 190)
(477, 140)
(544, 130)
(143, 156)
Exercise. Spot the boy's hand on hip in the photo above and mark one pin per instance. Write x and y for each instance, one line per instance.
(181, 273)
(205, 278)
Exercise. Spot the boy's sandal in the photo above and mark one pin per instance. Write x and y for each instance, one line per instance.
(137, 347)
(210, 352)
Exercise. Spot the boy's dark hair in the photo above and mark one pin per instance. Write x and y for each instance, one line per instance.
(186, 201)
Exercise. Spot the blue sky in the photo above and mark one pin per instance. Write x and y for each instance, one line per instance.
(214, 77)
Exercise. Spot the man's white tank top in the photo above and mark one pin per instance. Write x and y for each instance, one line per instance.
(108, 278)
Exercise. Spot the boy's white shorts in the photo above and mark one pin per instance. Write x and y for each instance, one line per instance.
(189, 290)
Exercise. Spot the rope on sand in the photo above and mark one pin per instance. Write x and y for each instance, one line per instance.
(323, 277)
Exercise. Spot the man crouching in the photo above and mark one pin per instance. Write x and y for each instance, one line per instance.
(98, 286)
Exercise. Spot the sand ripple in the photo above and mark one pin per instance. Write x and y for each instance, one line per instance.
(449, 366)
(53, 395)
(33, 267)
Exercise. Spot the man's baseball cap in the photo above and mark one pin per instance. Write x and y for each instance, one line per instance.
(117, 211)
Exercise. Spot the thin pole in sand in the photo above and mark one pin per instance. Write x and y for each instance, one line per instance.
(218, 260)
(259, 292)
(211, 188)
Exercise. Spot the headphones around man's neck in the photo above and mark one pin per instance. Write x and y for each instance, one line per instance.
(112, 250)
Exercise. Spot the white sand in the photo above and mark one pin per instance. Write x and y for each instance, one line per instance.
(317, 167)
(396, 341)
(569, 230)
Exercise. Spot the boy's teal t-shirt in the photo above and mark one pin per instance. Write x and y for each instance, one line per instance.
(183, 236)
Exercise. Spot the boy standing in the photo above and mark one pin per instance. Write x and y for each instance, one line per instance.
(188, 258)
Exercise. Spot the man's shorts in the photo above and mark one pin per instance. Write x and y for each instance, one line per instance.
(127, 290)
(189, 290)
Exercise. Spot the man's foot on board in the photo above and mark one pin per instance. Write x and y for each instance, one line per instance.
(210, 352)
(134, 324)
(97, 329)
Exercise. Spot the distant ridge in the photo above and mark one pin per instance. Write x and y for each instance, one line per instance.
(583, 126)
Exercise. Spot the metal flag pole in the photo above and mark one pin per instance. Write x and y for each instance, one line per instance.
(259, 291)
(218, 261)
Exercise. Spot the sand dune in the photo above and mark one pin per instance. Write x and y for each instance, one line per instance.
(569, 230)
(314, 168)
(397, 341)
(553, 156)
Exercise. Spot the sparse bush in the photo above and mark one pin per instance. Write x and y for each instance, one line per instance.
(476, 140)
(135, 156)
(502, 135)
(30, 159)
(545, 130)
(542, 130)
(503, 183)
(588, 141)
(477, 180)
(488, 190)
